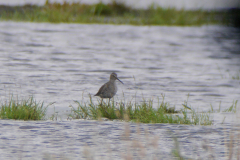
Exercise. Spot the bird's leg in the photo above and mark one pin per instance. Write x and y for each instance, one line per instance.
(101, 101)
(109, 102)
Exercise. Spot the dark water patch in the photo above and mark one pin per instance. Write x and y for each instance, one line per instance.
(7, 82)
(7, 124)
(86, 122)
(158, 125)
(52, 92)
(46, 142)
(19, 59)
(131, 67)
(174, 44)
(106, 71)
(57, 124)
(44, 133)
(195, 90)
(84, 138)
(219, 57)
(67, 137)
(17, 63)
(27, 51)
(28, 127)
(73, 70)
(67, 127)
(103, 133)
(58, 53)
(27, 65)
(37, 45)
(54, 89)
(39, 75)
(224, 85)
(58, 59)
(14, 151)
(196, 84)
(213, 94)
(84, 48)
(34, 130)
(48, 31)
(4, 138)
(6, 34)
(168, 78)
(155, 68)
(90, 143)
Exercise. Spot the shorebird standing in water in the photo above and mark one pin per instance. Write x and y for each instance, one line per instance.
(109, 89)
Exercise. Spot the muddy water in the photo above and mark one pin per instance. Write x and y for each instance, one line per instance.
(65, 62)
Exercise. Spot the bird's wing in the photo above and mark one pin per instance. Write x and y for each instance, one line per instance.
(102, 89)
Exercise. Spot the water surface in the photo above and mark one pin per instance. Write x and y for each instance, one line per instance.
(81, 139)
(65, 62)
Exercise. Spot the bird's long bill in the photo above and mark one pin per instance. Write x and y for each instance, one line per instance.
(119, 80)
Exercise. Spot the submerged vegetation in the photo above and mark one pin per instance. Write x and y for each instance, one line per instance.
(28, 109)
(114, 13)
(143, 112)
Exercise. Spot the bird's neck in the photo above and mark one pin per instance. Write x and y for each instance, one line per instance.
(112, 80)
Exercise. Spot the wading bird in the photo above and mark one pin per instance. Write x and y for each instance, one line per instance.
(109, 89)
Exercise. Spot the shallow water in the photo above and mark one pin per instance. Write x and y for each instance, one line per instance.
(65, 62)
(81, 139)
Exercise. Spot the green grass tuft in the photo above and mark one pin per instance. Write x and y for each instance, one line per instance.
(232, 108)
(22, 110)
(143, 112)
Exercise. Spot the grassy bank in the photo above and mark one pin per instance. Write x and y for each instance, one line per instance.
(142, 112)
(114, 13)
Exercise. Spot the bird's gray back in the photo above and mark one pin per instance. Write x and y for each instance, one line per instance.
(108, 90)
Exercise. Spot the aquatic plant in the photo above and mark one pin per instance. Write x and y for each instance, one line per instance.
(236, 76)
(28, 109)
(232, 108)
(142, 112)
